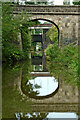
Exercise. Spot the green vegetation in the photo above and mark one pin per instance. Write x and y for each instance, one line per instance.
(34, 2)
(76, 2)
(13, 101)
(36, 49)
(14, 84)
(39, 2)
(26, 40)
(62, 61)
(38, 31)
(37, 115)
(37, 67)
(11, 28)
(66, 2)
(53, 34)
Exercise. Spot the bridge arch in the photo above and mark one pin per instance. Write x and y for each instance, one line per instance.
(66, 24)
(65, 17)
(50, 21)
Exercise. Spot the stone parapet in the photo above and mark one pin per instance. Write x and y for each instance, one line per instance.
(55, 107)
(46, 9)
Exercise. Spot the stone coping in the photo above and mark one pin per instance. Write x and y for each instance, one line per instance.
(46, 9)
(48, 5)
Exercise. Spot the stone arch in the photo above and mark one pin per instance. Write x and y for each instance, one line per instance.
(51, 21)
(65, 24)
(63, 16)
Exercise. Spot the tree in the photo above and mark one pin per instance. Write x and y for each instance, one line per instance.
(11, 27)
(63, 60)
(39, 2)
(66, 2)
(76, 2)
(53, 34)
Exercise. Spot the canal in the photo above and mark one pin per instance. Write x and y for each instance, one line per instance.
(29, 90)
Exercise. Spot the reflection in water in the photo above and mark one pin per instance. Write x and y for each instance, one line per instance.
(48, 115)
(36, 115)
(52, 115)
(62, 115)
(17, 82)
(66, 99)
(37, 67)
(43, 85)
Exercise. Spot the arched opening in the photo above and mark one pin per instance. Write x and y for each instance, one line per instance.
(41, 83)
(49, 21)
(44, 32)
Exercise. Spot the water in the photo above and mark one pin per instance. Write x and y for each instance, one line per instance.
(20, 84)
(30, 90)
(48, 116)
(44, 86)
(41, 83)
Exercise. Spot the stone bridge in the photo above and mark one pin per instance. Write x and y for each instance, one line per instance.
(65, 18)
(65, 100)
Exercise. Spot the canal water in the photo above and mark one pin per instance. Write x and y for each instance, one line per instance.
(30, 91)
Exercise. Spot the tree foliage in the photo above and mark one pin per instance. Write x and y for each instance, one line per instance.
(63, 60)
(11, 27)
(53, 34)
(76, 2)
(66, 2)
(40, 2)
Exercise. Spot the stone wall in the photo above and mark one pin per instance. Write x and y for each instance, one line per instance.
(65, 100)
(47, 9)
(66, 24)
(64, 17)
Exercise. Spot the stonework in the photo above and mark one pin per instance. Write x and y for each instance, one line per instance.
(67, 20)
(45, 9)
(67, 25)
(66, 98)
(64, 17)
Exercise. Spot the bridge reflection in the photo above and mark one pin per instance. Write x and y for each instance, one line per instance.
(66, 98)
(47, 116)
(63, 99)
